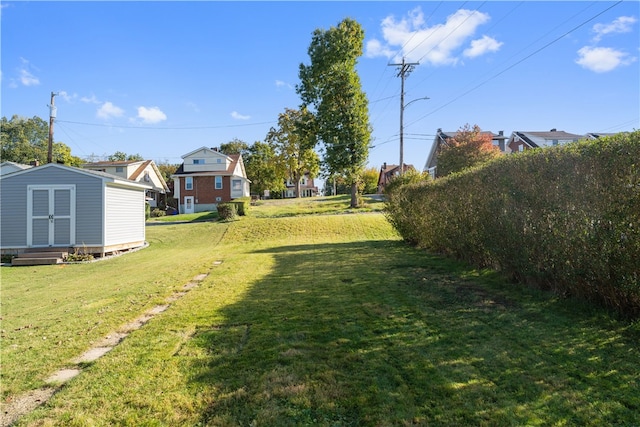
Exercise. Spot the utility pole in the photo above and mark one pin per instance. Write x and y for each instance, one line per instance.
(52, 117)
(404, 69)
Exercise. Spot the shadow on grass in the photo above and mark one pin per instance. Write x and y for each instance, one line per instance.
(378, 333)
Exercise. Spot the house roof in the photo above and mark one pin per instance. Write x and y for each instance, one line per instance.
(143, 164)
(442, 137)
(113, 163)
(387, 171)
(235, 158)
(529, 136)
(600, 134)
(484, 132)
(105, 177)
(13, 166)
(213, 150)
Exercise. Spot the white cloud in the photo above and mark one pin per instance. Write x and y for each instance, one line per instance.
(193, 106)
(66, 96)
(151, 115)
(374, 48)
(280, 83)
(108, 110)
(25, 75)
(622, 24)
(602, 59)
(438, 44)
(239, 116)
(481, 46)
(90, 100)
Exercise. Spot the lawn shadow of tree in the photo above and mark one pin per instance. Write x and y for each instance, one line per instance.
(380, 333)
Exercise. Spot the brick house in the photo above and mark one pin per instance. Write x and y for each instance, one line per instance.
(208, 177)
(388, 172)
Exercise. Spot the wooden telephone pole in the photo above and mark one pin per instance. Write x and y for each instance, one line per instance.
(404, 69)
(52, 117)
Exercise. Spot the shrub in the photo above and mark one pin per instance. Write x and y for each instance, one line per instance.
(227, 211)
(563, 218)
(242, 205)
(157, 213)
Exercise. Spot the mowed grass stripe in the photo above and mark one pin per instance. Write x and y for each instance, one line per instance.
(332, 320)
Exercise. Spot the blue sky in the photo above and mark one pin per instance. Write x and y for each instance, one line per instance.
(164, 78)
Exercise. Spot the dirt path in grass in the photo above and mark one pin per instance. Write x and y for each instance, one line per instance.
(15, 407)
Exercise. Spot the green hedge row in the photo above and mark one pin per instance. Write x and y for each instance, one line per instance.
(563, 218)
(229, 210)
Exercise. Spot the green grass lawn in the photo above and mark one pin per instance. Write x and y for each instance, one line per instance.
(311, 320)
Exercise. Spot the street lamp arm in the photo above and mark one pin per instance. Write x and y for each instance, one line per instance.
(417, 99)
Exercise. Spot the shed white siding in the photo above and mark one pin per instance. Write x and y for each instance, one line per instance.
(124, 215)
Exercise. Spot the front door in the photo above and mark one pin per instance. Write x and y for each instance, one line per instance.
(188, 204)
(51, 213)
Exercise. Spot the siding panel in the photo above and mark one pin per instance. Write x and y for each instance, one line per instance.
(13, 204)
(124, 215)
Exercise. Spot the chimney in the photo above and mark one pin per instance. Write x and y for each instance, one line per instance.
(553, 130)
(34, 162)
(384, 166)
(501, 133)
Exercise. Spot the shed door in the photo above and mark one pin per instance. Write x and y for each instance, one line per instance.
(51, 215)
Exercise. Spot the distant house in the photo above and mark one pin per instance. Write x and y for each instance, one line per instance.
(521, 140)
(207, 177)
(307, 187)
(441, 139)
(144, 171)
(58, 206)
(598, 135)
(388, 172)
(10, 167)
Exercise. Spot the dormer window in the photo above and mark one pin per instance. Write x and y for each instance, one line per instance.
(198, 161)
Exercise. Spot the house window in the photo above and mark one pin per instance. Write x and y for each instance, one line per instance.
(303, 181)
(188, 183)
(147, 178)
(119, 169)
(218, 183)
(219, 160)
(236, 185)
(198, 161)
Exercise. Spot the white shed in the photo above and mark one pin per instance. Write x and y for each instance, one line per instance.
(57, 206)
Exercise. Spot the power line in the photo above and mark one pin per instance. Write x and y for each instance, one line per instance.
(416, 32)
(517, 63)
(452, 31)
(164, 128)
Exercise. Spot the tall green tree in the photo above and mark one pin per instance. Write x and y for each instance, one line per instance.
(167, 169)
(262, 170)
(23, 140)
(469, 147)
(294, 142)
(235, 146)
(331, 85)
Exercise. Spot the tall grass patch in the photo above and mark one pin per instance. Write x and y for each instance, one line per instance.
(563, 218)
